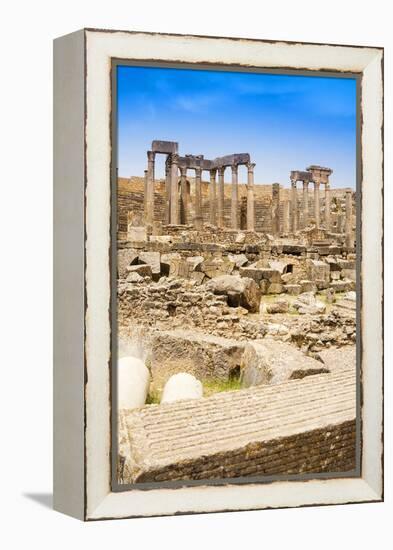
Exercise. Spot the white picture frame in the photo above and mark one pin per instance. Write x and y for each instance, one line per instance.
(82, 244)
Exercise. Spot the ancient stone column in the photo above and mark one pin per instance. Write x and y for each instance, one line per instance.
(340, 222)
(174, 190)
(149, 199)
(276, 208)
(168, 171)
(348, 219)
(145, 196)
(294, 213)
(212, 197)
(184, 195)
(234, 199)
(286, 217)
(327, 207)
(316, 203)
(198, 220)
(220, 201)
(250, 197)
(305, 203)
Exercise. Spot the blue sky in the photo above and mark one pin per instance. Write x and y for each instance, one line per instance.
(285, 122)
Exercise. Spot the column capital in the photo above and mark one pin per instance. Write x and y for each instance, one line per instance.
(250, 166)
(175, 158)
(213, 172)
(305, 184)
(221, 170)
(151, 156)
(234, 168)
(293, 183)
(316, 184)
(183, 170)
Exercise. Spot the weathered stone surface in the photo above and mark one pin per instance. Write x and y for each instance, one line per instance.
(165, 239)
(202, 355)
(241, 291)
(276, 329)
(275, 288)
(306, 425)
(143, 270)
(306, 303)
(125, 258)
(258, 273)
(272, 362)
(281, 306)
(197, 276)
(134, 277)
(217, 267)
(308, 286)
(195, 262)
(338, 359)
(152, 259)
(292, 289)
(181, 386)
(239, 260)
(136, 234)
(318, 271)
(349, 274)
(133, 382)
(341, 286)
(170, 263)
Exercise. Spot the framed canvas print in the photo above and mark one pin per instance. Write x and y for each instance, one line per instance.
(218, 274)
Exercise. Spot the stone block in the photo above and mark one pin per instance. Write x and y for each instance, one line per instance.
(273, 362)
(239, 260)
(163, 239)
(125, 258)
(292, 289)
(136, 234)
(241, 291)
(143, 270)
(321, 284)
(341, 286)
(275, 288)
(308, 286)
(217, 267)
(318, 270)
(170, 263)
(204, 356)
(133, 277)
(152, 259)
(281, 306)
(195, 262)
(197, 276)
(349, 274)
(258, 273)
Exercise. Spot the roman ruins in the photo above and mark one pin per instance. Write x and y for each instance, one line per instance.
(237, 306)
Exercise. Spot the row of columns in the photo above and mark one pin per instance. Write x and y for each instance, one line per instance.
(291, 214)
(305, 203)
(216, 194)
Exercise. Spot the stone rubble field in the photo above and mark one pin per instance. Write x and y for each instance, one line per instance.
(217, 322)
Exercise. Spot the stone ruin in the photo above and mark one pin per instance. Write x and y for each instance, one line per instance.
(222, 294)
